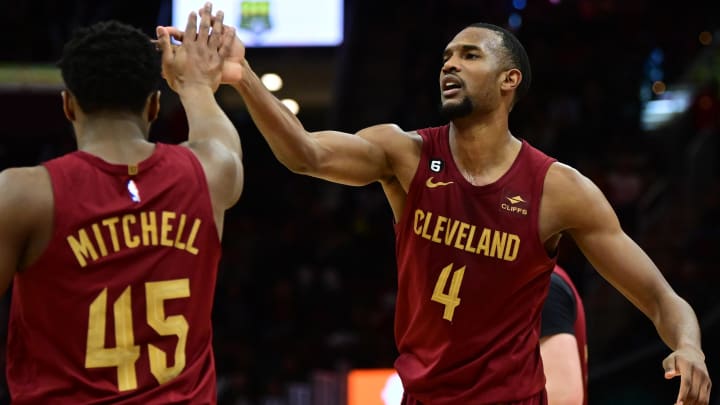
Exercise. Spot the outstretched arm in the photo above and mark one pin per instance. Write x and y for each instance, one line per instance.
(353, 159)
(341, 157)
(194, 70)
(590, 220)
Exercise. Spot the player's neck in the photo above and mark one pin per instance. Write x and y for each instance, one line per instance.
(483, 149)
(481, 134)
(117, 138)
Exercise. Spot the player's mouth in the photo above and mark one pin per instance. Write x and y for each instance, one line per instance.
(450, 86)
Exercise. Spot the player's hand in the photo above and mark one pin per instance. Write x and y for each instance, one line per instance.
(695, 383)
(231, 48)
(198, 60)
(234, 52)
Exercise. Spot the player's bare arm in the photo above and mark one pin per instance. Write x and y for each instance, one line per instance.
(26, 210)
(563, 372)
(372, 154)
(194, 70)
(574, 205)
(352, 159)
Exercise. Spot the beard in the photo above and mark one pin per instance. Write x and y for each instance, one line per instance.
(454, 111)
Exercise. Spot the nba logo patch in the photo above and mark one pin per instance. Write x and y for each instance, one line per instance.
(436, 165)
(133, 191)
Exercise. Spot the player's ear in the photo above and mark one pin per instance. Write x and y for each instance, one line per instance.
(511, 79)
(153, 106)
(68, 102)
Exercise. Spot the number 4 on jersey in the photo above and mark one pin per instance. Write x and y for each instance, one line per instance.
(451, 299)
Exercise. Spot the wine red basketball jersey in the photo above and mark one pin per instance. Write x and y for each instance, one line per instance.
(473, 275)
(117, 309)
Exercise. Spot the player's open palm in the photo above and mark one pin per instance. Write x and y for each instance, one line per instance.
(197, 61)
(695, 383)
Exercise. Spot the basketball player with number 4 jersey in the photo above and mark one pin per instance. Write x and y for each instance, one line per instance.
(114, 248)
(479, 214)
(472, 277)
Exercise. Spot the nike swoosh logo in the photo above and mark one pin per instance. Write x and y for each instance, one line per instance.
(431, 184)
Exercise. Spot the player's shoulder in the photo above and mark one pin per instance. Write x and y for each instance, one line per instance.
(212, 152)
(391, 138)
(24, 180)
(223, 169)
(564, 174)
(567, 184)
(208, 149)
(387, 132)
(24, 188)
(571, 200)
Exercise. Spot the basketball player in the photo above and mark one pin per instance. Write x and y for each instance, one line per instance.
(114, 248)
(563, 342)
(479, 214)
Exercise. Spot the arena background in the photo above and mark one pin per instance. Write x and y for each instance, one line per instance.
(624, 90)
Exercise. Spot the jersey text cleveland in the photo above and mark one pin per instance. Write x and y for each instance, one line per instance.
(464, 236)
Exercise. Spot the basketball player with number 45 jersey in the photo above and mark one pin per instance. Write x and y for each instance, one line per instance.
(114, 248)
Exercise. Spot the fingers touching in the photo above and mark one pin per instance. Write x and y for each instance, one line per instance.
(217, 31)
(197, 59)
(191, 27)
(211, 28)
(205, 15)
(226, 41)
(163, 43)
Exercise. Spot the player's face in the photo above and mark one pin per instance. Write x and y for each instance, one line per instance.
(470, 74)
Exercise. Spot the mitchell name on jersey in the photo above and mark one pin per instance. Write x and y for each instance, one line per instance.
(129, 231)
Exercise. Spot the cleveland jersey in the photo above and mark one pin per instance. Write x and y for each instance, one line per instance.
(117, 309)
(472, 275)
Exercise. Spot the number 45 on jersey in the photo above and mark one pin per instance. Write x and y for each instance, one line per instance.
(126, 352)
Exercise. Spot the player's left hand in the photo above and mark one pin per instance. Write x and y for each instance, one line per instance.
(695, 384)
(231, 48)
(198, 61)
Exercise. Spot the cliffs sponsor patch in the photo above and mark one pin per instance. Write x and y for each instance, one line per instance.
(514, 203)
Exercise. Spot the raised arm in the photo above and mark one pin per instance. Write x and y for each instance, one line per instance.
(573, 204)
(353, 159)
(336, 156)
(194, 70)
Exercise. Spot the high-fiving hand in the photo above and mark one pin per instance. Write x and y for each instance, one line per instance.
(230, 47)
(198, 61)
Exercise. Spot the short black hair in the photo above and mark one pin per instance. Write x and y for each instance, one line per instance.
(110, 66)
(516, 54)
